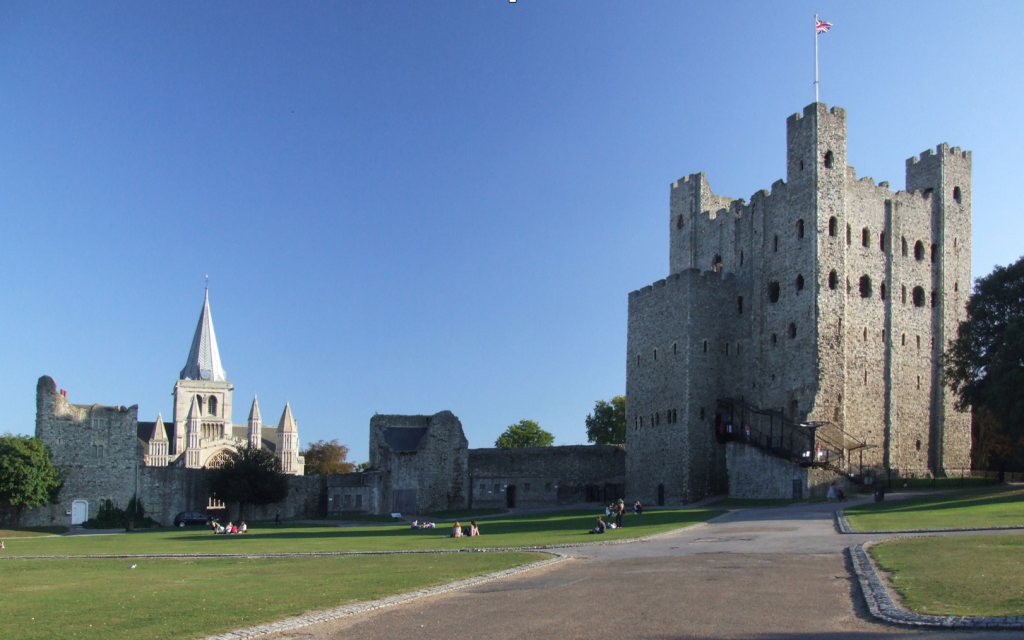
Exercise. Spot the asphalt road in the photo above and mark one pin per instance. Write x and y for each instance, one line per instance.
(756, 573)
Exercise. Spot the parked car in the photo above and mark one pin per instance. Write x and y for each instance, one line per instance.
(191, 517)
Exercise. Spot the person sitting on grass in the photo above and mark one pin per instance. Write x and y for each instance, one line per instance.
(234, 528)
(427, 525)
(638, 508)
(415, 524)
(242, 528)
(457, 530)
(473, 529)
(601, 526)
(217, 528)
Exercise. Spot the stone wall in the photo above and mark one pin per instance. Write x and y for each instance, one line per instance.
(424, 455)
(756, 475)
(546, 476)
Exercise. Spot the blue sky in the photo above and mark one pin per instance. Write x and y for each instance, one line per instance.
(407, 207)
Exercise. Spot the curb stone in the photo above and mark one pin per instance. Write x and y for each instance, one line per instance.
(882, 606)
(390, 601)
(332, 554)
(844, 527)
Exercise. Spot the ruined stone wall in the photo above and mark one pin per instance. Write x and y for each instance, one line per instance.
(353, 493)
(756, 475)
(434, 466)
(545, 476)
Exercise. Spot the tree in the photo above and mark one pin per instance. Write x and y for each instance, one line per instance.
(327, 458)
(526, 433)
(249, 475)
(607, 425)
(985, 364)
(363, 466)
(27, 476)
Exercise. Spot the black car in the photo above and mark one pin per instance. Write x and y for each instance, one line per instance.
(191, 517)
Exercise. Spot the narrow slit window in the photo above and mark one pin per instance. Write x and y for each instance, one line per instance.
(833, 279)
(865, 237)
(829, 161)
(832, 223)
(799, 282)
(800, 229)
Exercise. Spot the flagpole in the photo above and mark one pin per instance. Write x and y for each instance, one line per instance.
(816, 58)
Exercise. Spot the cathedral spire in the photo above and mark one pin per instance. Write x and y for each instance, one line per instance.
(204, 357)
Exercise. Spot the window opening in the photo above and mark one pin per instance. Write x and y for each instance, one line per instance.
(774, 339)
(792, 330)
(801, 165)
(919, 251)
(956, 286)
(705, 346)
(956, 195)
(702, 413)
(848, 235)
(739, 304)
(212, 405)
(832, 279)
(741, 258)
(935, 298)
(865, 286)
(865, 334)
(679, 222)
(904, 339)
(829, 159)
(904, 247)
(655, 355)
(918, 342)
(935, 251)
(726, 348)
(775, 246)
(881, 241)
(881, 291)
(918, 296)
(800, 228)
(773, 292)
(799, 282)
(865, 237)
(832, 226)
(904, 294)
(918, 443)
(716, 264)
(673, 348)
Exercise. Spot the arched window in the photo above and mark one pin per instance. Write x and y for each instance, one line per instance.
(865, 237)
(956, 195)
(881, 291)
(865, 286)
(832, 224)
(829, 159)
(773, 292)
(919, 251)
(679, 222)
(199, 404)
(799, 282)
(212, 405)
(716, 264)
(833, 279)
(792, 330)
(800, 228)
(881, 241)
(904, 247)
(918, 296)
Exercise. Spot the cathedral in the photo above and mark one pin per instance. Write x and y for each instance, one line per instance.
(202, 431)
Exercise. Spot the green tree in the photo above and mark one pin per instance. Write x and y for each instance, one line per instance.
(607, 425)
(984, 366)
(27, 476)
(526, 433)
(325, 458)
(363, 466)
(249, 476)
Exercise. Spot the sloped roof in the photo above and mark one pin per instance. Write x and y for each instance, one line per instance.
(204, 356)
(287, 423)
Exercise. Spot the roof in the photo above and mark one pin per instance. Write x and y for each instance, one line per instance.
(145, 430)
(204, 357)
(287, 423)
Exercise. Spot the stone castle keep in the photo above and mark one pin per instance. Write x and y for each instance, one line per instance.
(816, 312)
(828, 298)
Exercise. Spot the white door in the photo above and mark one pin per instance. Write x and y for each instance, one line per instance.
(79, 511)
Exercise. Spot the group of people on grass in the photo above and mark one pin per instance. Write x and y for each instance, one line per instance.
(469, 532)
(228, 528)
(615, 510)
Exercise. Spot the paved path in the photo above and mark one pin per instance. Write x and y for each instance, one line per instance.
(756, 573)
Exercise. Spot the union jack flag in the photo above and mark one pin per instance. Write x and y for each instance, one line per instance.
(820, 26)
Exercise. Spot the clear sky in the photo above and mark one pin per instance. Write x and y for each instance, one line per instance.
(405, 207)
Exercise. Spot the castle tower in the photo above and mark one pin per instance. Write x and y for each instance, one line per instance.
(192, 453)
(156, 453)
(255, 425)
(288, 443)
(203, 380)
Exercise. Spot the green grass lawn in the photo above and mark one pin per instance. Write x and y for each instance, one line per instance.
(961, 575)
(969, 508)
(509, 531)
(31, 532)
(103, 599)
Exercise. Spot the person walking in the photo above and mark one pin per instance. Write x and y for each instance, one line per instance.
(831, 495)
(277, 517)
(620, 510)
